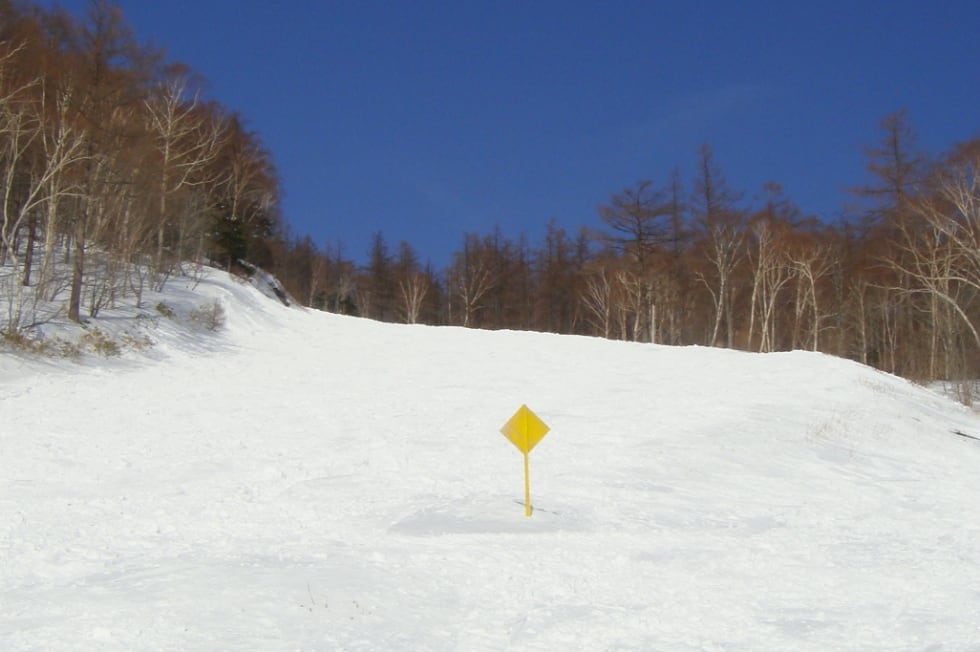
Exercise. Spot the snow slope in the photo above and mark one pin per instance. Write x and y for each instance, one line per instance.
(305, 481)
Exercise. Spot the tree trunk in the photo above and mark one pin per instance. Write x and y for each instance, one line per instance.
(77, 271)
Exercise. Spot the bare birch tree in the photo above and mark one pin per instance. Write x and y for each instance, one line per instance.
(472, 275)
(812, 262)
(722, 238)
(597, 296)
(187, 138)
(944, 259)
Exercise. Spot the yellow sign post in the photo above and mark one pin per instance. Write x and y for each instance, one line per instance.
(525, 430)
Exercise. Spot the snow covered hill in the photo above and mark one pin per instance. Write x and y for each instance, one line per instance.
(304, 481)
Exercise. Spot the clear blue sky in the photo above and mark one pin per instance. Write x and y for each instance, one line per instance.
(425, 120)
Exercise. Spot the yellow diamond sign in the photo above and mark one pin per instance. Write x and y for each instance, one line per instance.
(525, 429)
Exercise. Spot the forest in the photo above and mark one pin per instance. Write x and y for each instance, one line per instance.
(117, 174)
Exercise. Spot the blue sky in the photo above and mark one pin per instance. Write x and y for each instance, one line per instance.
(426, 120)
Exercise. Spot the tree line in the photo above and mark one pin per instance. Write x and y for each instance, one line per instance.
(894, 286)
(111, 159)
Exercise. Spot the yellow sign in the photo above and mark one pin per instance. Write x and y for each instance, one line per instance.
(525, 430)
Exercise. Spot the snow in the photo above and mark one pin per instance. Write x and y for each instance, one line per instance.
(304, 481)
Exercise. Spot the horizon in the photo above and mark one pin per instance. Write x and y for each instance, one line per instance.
(428, 121)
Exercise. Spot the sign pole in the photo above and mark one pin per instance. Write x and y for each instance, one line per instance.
(525, 430)
(527, 488)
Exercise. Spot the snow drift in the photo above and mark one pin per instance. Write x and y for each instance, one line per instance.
(300, 480)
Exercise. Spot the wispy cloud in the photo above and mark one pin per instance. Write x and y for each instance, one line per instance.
(698, 112)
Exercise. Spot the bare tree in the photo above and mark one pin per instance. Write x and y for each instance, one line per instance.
(944, 256)
(472, 276)
(413, 284)
(640, 219)
(412, 292)
(812, 261)
(770, 274)
(187, 138)
(897, 171)
(38, 147)
(64, 148)
(20, 128)
(597, 296)
(559, 273)
(722, 236)
(109, 69)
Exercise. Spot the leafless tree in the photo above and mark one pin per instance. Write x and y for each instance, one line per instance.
(812, 261)
(722, 237)
(187, 138)
(944, 257)
(640, 219)
(412, 292)
(770, 274)
(38, 147)
(597, 296)
(473, 274)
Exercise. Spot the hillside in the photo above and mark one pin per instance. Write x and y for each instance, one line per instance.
(300, 480)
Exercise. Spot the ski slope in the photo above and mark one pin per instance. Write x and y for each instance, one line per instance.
(306, 481)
